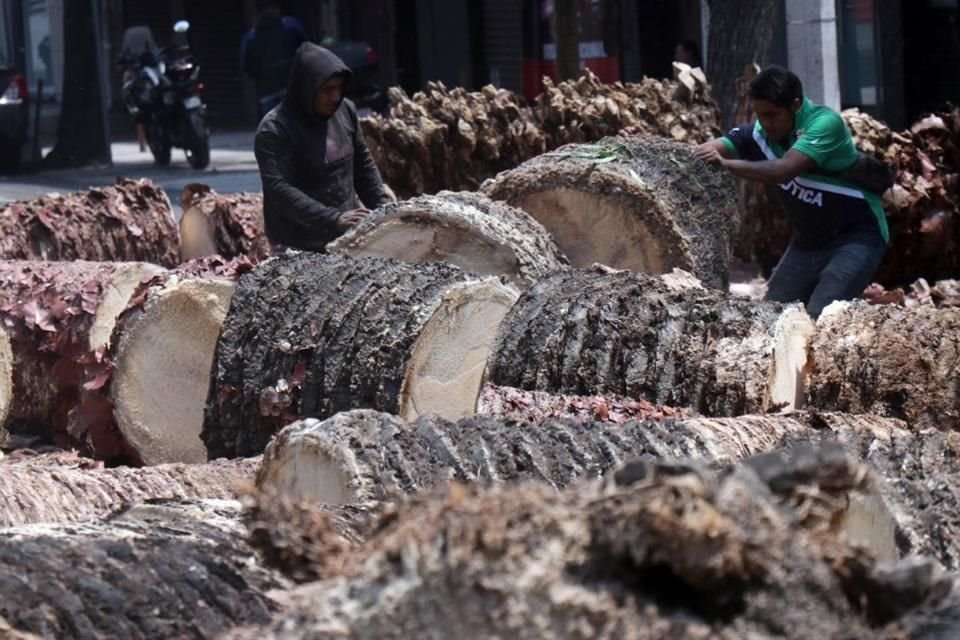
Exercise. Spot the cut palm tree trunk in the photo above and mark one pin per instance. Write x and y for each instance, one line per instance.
(167, 570)
(638, 203)
(61, 487)
(465, 229)
(628, 334)
(131, 221)
(59, 316)
(227, 225)
(309, 335)
(359, 456)
(888, 360)
(144, 397)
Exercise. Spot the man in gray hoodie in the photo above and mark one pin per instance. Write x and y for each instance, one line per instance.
(312, 157)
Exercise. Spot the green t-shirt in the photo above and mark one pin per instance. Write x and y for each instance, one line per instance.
(815, 202)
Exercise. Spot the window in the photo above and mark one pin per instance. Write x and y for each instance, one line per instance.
(859, 85)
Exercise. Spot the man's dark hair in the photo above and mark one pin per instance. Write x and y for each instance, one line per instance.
(778, 85)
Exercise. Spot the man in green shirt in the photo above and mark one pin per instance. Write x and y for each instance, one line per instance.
(840, 229)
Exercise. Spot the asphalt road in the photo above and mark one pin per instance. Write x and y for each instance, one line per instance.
(232, 168)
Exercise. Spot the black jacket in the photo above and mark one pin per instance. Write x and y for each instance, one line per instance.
(313, 167)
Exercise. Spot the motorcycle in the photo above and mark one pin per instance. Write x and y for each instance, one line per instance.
(161, 92)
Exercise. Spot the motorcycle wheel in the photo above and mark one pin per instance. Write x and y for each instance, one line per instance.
(159, 145)
(198, 142)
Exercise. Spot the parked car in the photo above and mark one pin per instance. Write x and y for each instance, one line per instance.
(13, 117)
(364, 89)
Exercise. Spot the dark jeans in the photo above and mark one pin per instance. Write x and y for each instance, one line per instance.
(839, 270)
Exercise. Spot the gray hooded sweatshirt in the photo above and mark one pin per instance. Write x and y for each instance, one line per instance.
(313, 167)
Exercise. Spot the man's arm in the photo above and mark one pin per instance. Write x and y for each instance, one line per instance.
(277, 169)
(366, 176)
(778, 171)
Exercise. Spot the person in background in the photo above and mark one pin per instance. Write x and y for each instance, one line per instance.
(266, 53)
(687, 52)
(830, 192)
(318, 175)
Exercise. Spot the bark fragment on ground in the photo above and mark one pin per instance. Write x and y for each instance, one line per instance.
(469, 230)
(229, 225)
(536, 406)
(888, 360)
(161, 570)
(596, 331)
(59, 316)
(453, 139)
(63, 487)
(658, 550)
(639, 202)
(943, 293)
(309, 335)
(131, 221)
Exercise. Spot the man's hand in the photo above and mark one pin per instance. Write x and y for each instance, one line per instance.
(709, 153)
(350, 218)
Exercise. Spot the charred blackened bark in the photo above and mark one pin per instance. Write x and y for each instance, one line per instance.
(310, 335)
(638, 203)
(593, 331)
(164, 570)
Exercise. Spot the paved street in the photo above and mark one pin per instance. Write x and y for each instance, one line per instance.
(232, 168)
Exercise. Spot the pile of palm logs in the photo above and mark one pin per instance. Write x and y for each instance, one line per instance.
(466, 229)
(130, 221)
(640, 203)
(658, 549)
(453, 139)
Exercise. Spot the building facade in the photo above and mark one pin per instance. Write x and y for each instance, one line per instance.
(892, 58)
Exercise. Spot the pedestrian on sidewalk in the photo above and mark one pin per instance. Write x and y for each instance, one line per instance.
(831, 193)
(313, 160)
(266, 53)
